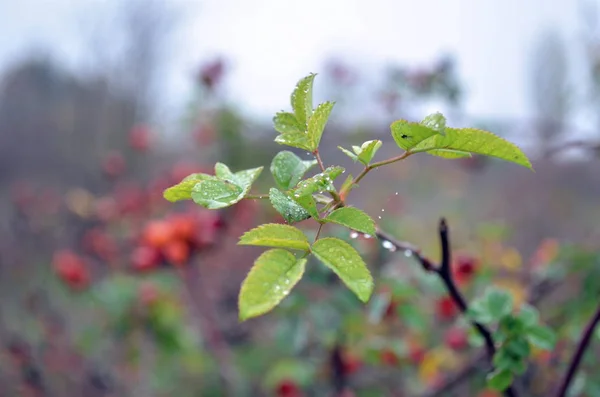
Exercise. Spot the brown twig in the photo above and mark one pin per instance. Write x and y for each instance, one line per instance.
(538, 293)
(445, 274)
(582, 347)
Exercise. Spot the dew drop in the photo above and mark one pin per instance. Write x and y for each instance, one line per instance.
(379, 217)
(396, 193)
(382, 210)
(388, 245)
(408, 253)
(353, 235)
(367, 236)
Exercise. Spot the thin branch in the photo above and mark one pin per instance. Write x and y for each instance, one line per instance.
(446, 276)
(445, 273)
(318, 232)
(583, 345)
(319, 160)
(538, 293)
(370, 167)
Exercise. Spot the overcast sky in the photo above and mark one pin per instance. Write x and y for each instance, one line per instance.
(271, 43)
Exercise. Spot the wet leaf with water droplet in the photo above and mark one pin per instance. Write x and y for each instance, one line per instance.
(352, 218)
(183, 190)
(224, 189)
(215, 194)
(291, 211)
(276, 235)
(302, 99)
(346, 262)
(285, 122)
(288, 169)
(317, 122)
(270, 280)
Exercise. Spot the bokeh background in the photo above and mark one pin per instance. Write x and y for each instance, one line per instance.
(106, 289)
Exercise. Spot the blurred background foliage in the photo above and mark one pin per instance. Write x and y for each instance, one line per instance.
(106, 289)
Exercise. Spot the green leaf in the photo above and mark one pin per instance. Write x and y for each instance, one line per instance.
(215, 194)
(276, 235)
(517, 347)
(294, 139)
(291, 211)
(302, 99)
(503, 360)
(511, 325)
(346, 262)
(308, 203)
(318, 183)
(285, 123)
(244, 179)
(541, 336)
(500, 379)
(270, 280)
(317, 122)
(408, 135)
(478, 311)
(364, 153)
(323, 181)
(183, 190)
(528, 314)
(473, 141)
(499, 303)
(288, 169)
(349, 153)
(354, 219)
(436, 122)
(449, 154)
(368, 150)
(226, 189)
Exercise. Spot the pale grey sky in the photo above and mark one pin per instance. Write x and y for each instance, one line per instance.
(272, 43)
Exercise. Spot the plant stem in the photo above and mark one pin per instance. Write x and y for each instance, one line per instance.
(318, 232)
(370, 167)
(583, 345)
(318, 157)
(445, 274)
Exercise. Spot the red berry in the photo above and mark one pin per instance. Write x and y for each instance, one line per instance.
(139, 138)
(446, 308)
(288, 388)
(177, 252)
(158, 233)
(71, 269)
(463, 268)
(351, 363)
(456, 338)
(183, 226)
(145, 258)
(389, 357)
